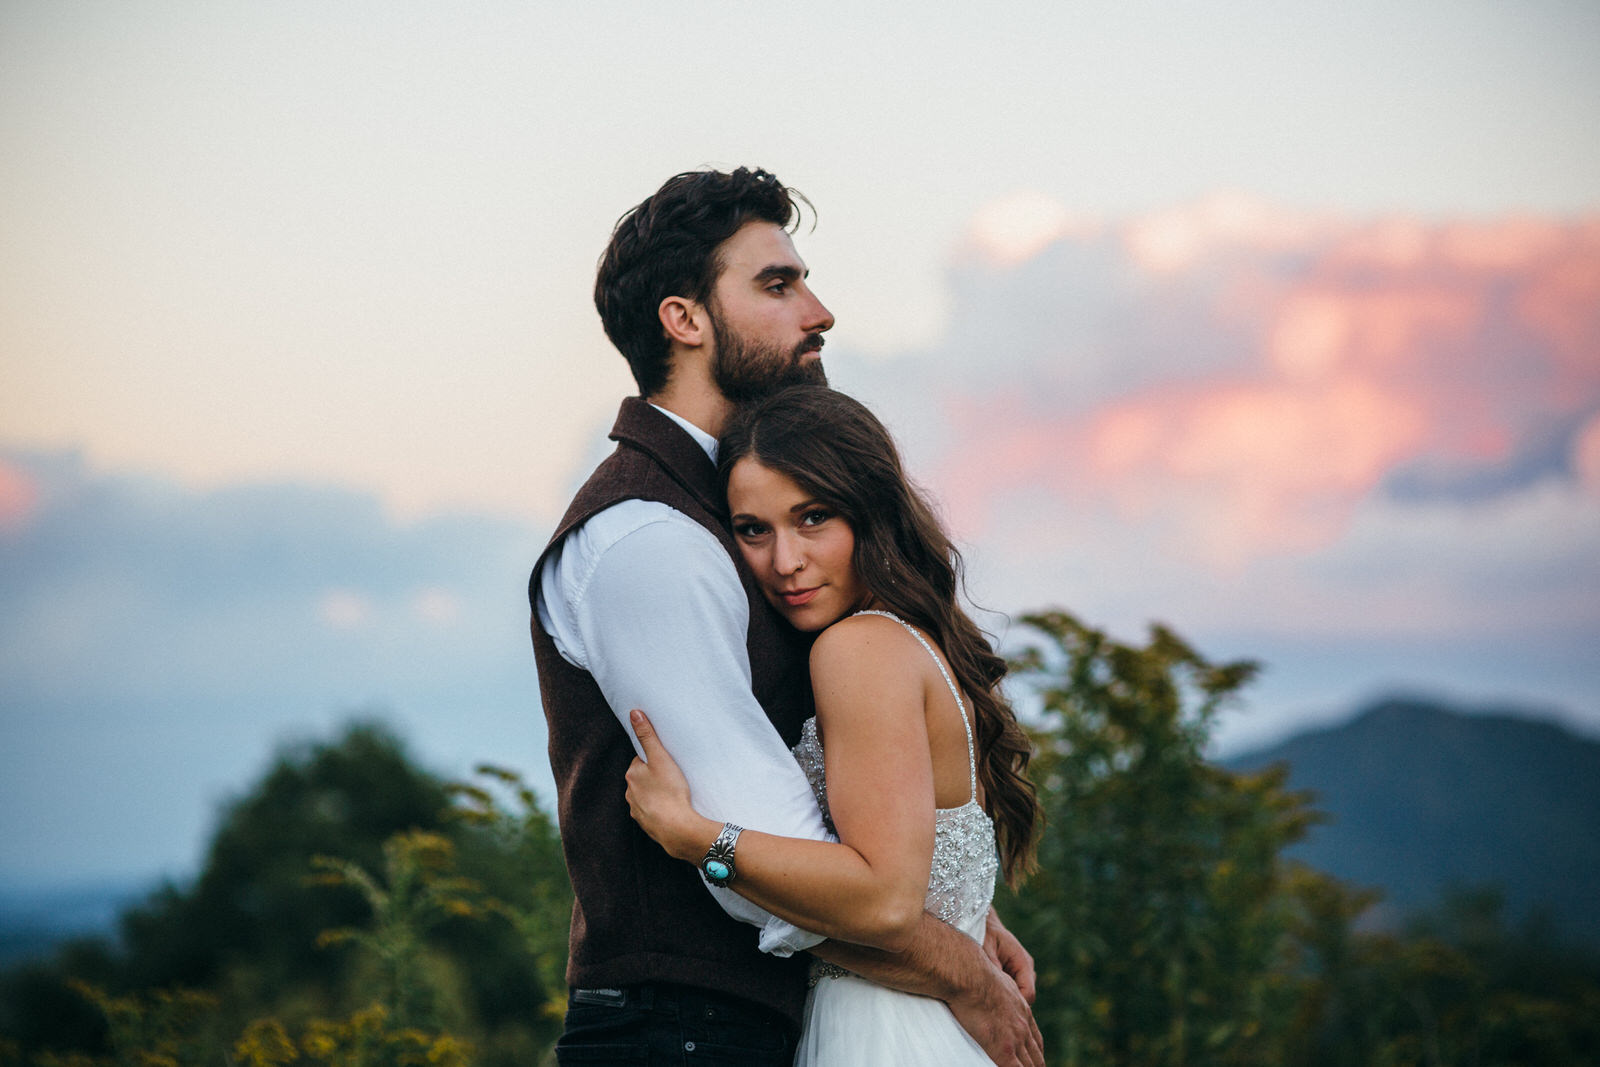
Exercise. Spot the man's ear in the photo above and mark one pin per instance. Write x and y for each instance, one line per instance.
(684, 321)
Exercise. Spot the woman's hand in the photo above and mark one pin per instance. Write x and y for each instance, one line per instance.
(658, 798)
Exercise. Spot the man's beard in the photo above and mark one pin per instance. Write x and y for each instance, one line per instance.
(748, 370)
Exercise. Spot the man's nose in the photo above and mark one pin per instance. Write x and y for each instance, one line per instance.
(821, 318)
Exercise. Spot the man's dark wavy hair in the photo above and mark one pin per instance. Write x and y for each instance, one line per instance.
(667, 246)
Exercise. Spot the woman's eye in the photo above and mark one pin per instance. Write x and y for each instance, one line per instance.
(815, 517)
(748, 530)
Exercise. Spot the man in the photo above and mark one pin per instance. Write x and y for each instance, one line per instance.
(641, 600)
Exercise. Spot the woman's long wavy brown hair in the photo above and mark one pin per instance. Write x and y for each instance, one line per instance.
(838, 451)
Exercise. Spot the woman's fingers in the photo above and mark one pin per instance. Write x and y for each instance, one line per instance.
(645, 732)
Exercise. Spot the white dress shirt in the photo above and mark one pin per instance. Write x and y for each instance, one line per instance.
(647, 601)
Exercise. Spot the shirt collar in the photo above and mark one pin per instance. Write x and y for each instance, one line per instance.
(701, 438)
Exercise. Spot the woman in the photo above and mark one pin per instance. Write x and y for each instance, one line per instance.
(923, 774)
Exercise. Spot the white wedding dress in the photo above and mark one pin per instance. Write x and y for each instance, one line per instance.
(851, 1022)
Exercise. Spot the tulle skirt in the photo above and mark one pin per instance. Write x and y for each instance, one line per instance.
(851, 1022)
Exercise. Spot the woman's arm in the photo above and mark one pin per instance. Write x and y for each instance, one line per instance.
(869, 679)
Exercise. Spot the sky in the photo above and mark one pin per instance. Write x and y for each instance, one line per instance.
(1277, 323)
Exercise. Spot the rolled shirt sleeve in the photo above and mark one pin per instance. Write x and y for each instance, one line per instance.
(655, 611)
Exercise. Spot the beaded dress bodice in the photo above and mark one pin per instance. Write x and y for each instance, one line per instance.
(961, 882)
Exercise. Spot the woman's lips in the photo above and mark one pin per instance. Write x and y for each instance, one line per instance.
(800, 596)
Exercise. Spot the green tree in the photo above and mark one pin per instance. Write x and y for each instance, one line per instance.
(513, 848)
(250, 919)
(1168, 928)
(245, 932)
(1157, 917)
(418, 892)
(1457, 986)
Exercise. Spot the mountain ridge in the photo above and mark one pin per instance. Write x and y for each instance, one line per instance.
(1423, 797)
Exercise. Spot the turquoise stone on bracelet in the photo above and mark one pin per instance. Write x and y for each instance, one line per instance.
(718, 863)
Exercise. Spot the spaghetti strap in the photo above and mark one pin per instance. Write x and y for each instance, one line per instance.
(961, 705)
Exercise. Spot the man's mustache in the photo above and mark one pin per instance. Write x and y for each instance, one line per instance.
(812, 343)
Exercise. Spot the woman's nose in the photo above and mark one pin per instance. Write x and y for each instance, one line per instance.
(787, 558)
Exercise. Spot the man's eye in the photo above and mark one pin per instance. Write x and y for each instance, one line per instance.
(778, 287)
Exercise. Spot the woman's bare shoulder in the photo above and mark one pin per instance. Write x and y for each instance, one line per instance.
(865, 641)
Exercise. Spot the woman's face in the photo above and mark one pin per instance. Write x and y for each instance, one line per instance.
(800, 550)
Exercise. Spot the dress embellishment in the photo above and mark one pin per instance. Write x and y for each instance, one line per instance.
(965, 861)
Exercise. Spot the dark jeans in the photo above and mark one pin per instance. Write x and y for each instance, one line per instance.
(659, 1023)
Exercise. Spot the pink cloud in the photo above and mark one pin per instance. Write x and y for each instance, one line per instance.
(1372, 349)
(18, 497)
(1586, 457)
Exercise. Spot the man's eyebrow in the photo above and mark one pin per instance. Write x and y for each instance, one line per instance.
(787, 271)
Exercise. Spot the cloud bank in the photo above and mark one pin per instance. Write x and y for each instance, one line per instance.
(1274, 428)
(158, 642)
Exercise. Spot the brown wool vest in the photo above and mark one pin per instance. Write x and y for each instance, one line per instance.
(640, 915)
